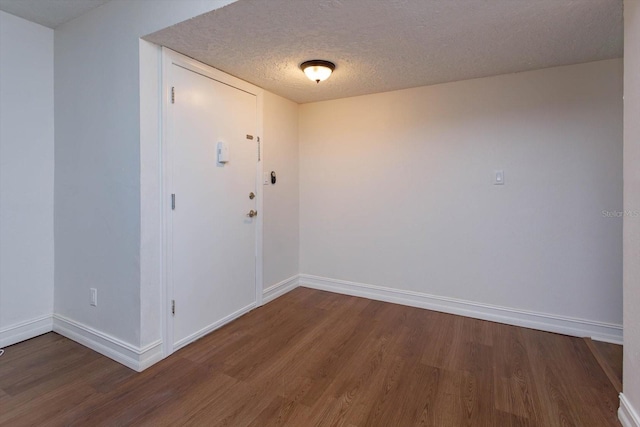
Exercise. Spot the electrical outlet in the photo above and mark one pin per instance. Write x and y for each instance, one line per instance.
(94, 297)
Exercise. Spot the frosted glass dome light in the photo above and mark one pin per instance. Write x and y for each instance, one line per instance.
(317, 70)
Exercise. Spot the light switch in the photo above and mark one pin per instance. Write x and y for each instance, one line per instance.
(266, 178)
(498, 177)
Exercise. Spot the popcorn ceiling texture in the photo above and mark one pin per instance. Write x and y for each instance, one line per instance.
(394, 44)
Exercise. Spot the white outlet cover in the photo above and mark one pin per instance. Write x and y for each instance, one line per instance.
(94, 297)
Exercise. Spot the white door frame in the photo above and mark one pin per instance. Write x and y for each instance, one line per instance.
(170, 58)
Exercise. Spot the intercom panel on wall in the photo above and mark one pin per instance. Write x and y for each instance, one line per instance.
(223, 152)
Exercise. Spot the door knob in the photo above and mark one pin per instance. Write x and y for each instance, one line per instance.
(252, 213)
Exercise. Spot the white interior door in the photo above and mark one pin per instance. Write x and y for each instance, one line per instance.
(213, 240)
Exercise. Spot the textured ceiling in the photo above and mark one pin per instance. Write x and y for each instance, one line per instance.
(382, 45)
(50, 13)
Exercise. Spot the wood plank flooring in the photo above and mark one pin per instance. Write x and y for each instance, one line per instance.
(314, 358)
(612, 355)
(609, 357)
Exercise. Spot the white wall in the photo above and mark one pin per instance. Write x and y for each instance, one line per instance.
(26, 179)
(150, 193)
(630, 401)
(98, 180)
(281, 216)
(396, 191)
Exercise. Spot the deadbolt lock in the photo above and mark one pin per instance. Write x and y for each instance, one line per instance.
(252, 213)
(252, 196)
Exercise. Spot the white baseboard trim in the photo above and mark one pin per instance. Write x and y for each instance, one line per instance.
(598, 331)
(279, 289)
(212, 327)
(627, 415)
(25, 330)
(131, 356)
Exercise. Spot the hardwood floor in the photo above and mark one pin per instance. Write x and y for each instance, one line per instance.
(612, 356)
(609, 357)
(314, 358)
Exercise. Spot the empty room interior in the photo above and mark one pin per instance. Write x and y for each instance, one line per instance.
(320, 212)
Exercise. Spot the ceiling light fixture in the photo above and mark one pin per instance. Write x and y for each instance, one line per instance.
(317, 70)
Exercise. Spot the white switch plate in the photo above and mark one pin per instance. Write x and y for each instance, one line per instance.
(266, 179)
(94, 297)
(498, 177)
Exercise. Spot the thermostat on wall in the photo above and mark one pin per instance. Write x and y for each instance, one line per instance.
(223, 152)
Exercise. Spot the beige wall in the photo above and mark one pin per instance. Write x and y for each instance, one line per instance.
(281, 230)
(631, 383)
(396, 191)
